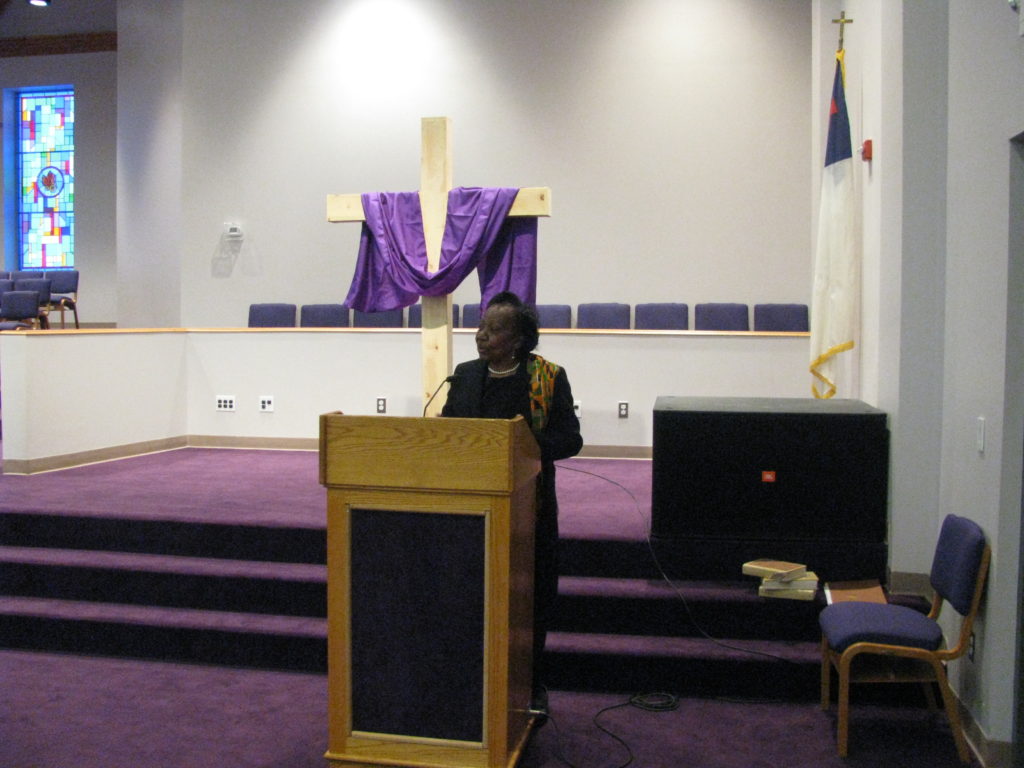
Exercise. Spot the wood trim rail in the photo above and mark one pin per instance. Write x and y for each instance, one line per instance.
(50, 45)
(356, 329)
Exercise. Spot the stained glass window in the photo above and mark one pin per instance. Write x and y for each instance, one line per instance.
(46, 172)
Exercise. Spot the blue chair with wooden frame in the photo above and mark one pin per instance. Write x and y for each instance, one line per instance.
(887, 643)
(42, 288)
(63, 292)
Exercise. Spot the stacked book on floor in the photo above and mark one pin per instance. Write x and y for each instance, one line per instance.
(782, 579)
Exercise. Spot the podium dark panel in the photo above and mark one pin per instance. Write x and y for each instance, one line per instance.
(417, 623)
(771, 470)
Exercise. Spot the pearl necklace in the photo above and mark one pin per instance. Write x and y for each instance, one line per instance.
(506, 372)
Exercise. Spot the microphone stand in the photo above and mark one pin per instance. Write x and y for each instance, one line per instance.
(448, 380)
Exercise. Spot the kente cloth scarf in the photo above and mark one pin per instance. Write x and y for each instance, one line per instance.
(542, 390)
(391, 269)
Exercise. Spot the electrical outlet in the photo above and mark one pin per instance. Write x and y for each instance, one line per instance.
(623, 409)
(225, 402)
(266, 403)
(578, 407)
(970, 647)
(382, 405)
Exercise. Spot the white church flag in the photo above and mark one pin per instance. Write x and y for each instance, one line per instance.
(835, 302)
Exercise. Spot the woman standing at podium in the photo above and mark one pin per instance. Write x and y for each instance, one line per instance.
(509, 380)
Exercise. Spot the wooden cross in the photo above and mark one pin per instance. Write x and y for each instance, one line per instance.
(435, 183)
(842, 21)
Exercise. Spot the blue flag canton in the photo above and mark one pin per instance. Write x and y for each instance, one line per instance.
(838, 147)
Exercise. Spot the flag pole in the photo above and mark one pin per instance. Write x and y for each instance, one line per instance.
(836, 280)
(842, 21)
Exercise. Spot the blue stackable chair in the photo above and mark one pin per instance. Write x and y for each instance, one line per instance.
(548, 315)
(605, 315)
(471, 315)
(554, 315)
(721, 316)
(662, 316)
(272, 315)
(391, 318)
(416, 315)
(323, 316)
(780, 317)
(19, 309)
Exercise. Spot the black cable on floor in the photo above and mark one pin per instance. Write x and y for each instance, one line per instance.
(665, 576)
(655, 702)
(649, 702)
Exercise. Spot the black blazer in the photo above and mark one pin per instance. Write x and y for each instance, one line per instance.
(560, 439)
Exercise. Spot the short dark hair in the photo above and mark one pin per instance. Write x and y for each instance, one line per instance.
(527, 323)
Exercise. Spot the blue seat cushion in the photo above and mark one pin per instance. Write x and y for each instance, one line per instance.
(844, 624)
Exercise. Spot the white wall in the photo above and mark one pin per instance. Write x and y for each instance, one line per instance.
(130, 387)
(986, 110)
(66, 394)
(917, 271)
(150, 189)
(674, 137)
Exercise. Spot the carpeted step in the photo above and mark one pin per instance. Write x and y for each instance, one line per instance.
(290, 589)
(605, 557)
(171, 634)
(769, 670)
(267, 543)
(730, 609)
(716, 559)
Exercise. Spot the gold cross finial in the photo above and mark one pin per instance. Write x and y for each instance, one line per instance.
(842, 21)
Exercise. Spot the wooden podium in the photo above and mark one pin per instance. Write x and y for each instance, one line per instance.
(430, 589)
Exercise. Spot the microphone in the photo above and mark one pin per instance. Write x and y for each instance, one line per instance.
(448, 380)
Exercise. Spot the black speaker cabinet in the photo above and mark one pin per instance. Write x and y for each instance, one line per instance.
(773, 477)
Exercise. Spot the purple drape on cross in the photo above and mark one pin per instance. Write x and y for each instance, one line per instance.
(391, 270)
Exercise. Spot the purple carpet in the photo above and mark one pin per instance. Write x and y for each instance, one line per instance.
(131, 576)
(190, 484)
(277, 488)
(58, 711)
